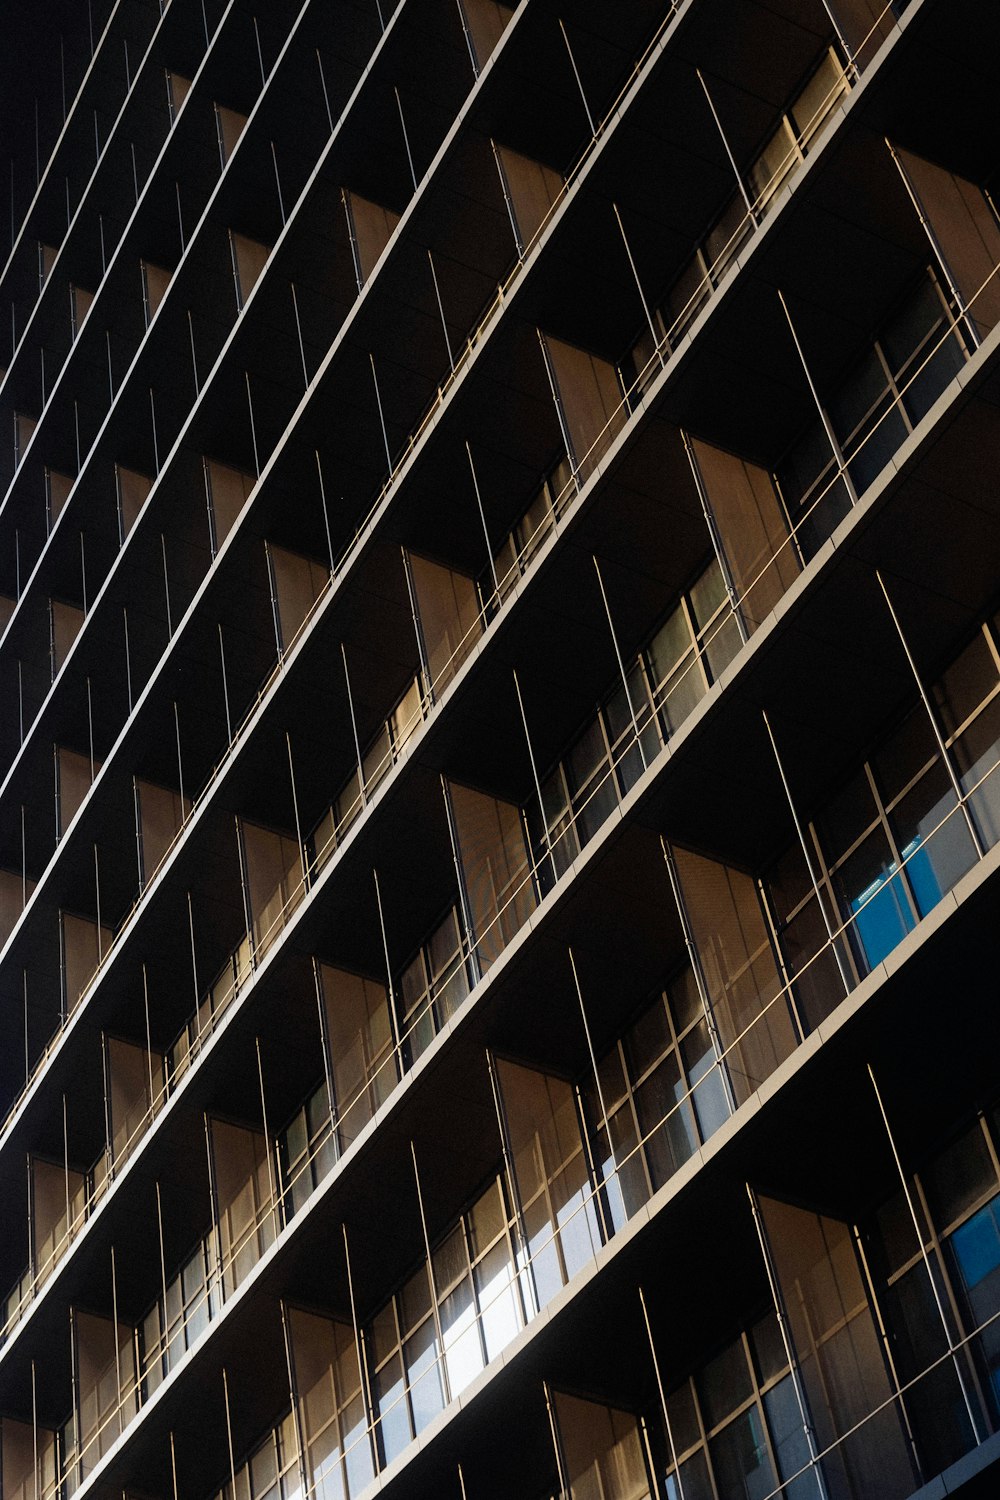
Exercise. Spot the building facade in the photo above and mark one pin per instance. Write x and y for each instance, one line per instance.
(499, 819)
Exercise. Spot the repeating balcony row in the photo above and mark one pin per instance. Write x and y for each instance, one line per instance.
(918, 351)
(764, 1415)
(695, 643)
(878, 857)
(371, 226)
(900, 408)
(763, 1411)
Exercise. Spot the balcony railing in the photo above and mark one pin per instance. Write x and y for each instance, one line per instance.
(272, 1215)
(538, 876)
(492, 604)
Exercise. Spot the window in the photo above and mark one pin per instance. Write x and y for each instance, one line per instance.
(781, 156)
(337, 1449)
(433, 984)
(797, 129)
(663, 1094)
(306, 1150)
(362, 1049)
(272, 1470)
(917, 352)
(527, 534)
(554, 1188)
(171, 1327)
(957, 1199)
(735, 1426)
(473, 1280)
(378, 759)
(668, 678)
(893, 840)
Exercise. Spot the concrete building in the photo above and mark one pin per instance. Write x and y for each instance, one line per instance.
(500, 560)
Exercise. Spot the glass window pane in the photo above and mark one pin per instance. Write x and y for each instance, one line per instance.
(685, 999)
(670, 644)
(874, 443)
(357, 1447)
(721, 642)
(451, 1260)
(877, 900)
(487, 1219)
(931, 369)
(819, 97)
(646, 1042)
(777, 160)
(588, 755)
(724, 1384)
(788, 1438)
(848, 815)
(444, 945)
(383, 1332)
(414, 1300)
(908, 751)
(857, 398)
(694, 1479)
(390, 1400)
(688, 294)
(959, 1177)
(498, 1300)
(740, 1458)
(707, 594)
(710, 1102)
(962, 688)
(263, 1469)
(452, 990)
(726, 239)
(630, 1170)
(789, 882)
(683, 1417)
(668, 1125)
(460, 1331)
(423, 1375)
(768, 1348)
(612, 1086)
(977, 754)
(682, 691)
(937, 853)
(976, 1249)
(914, 323)
(413, 982)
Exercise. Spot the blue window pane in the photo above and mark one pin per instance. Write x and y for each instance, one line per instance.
(926, 887)
(883, 917)
(977, 1246)
(876, 897)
